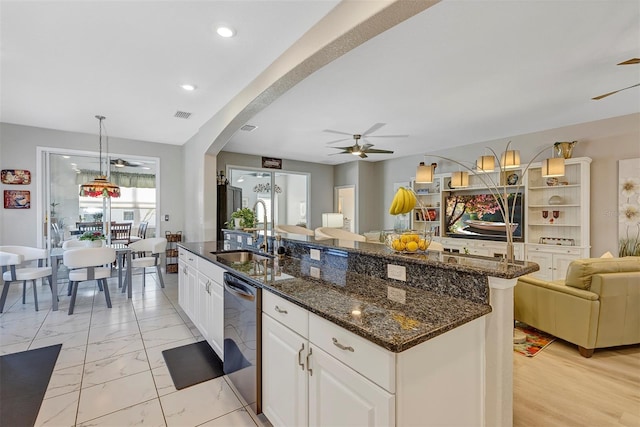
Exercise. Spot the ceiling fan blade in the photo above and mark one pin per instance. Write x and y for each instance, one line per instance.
(366, 146)
(373, 129)
(337, 131)
(363, 156)
(376, 151)
(387, 136)
(615, 91)
(337, 140)
(630, 61)
(347, 149)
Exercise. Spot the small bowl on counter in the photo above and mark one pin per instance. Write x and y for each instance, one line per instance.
(408, 242)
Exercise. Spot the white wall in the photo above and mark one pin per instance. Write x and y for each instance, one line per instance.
(18, 146)
(605, 141)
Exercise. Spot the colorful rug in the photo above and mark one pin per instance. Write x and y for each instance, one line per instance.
(536, 340)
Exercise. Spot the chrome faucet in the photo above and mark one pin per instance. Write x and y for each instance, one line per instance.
(264, 246)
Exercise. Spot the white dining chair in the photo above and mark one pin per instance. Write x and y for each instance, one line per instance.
(11, 260)
(338, 233)
(151, 249)
(89, 264)
(293, 229)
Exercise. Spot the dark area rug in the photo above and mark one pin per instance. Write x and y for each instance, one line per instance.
(24, 378)
(192, 364)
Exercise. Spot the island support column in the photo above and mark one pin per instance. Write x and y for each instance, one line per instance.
(499, 354)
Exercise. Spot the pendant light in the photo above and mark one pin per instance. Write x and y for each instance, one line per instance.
(424, 173)
(100, 187)
(459, 179)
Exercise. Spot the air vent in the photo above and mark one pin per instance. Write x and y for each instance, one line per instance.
(182, 115)
(248, 128)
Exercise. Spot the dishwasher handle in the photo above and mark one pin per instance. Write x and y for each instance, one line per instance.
(234, 286)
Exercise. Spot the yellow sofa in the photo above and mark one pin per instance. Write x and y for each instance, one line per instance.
(596, 306)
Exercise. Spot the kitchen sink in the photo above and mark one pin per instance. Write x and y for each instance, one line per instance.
(240, 256)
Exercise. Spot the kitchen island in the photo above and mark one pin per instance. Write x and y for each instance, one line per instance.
(431, 331)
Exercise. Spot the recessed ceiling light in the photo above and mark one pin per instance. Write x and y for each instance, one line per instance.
(66, 157)
(188, 87)
(225, 32)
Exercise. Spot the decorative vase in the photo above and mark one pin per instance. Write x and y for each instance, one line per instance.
(236, 223)
(565, 149)
(93, 243)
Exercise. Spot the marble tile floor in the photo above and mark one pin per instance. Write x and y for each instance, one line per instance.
(110, 371)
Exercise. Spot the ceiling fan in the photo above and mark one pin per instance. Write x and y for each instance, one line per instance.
(632, 61)
(362, 150)
(120, 163)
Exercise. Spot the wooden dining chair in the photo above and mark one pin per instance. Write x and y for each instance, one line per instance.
(121, 233)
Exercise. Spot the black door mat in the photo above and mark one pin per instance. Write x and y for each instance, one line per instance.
(192, 364)
(24, 378)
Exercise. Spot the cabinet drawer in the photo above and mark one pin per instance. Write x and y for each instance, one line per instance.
(187, 257)
(286, 312)
(211, 270)
(372, 361)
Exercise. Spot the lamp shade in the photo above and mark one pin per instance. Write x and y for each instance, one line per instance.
(553, 167)
(424, 173)
(486, 163)
(510, 159)
(460, 179)
(99, 187)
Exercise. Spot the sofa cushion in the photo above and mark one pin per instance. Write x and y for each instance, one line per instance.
(580, 271)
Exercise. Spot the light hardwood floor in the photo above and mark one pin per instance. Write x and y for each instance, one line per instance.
(558, 387)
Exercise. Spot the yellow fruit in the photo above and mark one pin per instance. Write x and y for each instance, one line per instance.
(422, 244)
(405, 238)
(415, 237)
(398, 245)
(412, 246)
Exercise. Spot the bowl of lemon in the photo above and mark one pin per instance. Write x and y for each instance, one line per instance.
(409, 241)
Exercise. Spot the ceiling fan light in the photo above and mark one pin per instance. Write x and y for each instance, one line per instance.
(486, 163)
(424, 173)
(510, 159)
(553, 167)
(459, 179)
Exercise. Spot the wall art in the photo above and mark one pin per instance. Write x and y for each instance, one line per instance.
(17, 199)
(629, 207)
(15, 176)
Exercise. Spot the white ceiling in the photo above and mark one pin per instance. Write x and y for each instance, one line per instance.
(460, 72)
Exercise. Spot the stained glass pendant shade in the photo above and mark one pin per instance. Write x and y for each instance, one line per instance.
(100, 186)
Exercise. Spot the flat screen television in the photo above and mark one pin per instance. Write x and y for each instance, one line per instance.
(476, 215)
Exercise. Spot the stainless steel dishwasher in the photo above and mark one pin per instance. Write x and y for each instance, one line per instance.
(243, 338)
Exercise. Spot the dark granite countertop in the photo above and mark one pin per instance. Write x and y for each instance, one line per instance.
(357, 302)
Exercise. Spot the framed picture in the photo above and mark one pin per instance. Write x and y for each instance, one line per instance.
(17, 199)
(15, 176)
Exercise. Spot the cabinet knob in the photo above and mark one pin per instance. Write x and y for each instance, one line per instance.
(279, 310)
(342, 346)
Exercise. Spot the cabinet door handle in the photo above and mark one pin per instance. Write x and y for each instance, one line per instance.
(308, 364)
(279, 310)
(342, 347)
(190, 259)
(300, 362)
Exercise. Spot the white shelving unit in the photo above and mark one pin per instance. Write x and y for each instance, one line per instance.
(431, 198)
(557, 239)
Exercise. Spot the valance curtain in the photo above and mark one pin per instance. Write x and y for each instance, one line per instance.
(122, 179)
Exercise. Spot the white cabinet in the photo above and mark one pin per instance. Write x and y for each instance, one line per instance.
(558, 218)
(317, 373)
(201, 296)
(187, 282)
(284, 376)
(304, 385)
(338, 395)
(553, 261)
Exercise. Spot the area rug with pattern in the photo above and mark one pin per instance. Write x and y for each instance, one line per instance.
(536, 340)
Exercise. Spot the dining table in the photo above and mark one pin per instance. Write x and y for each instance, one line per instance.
(123, 257)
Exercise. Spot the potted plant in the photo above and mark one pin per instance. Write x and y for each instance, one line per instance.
(92, 238)
(243, 218)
